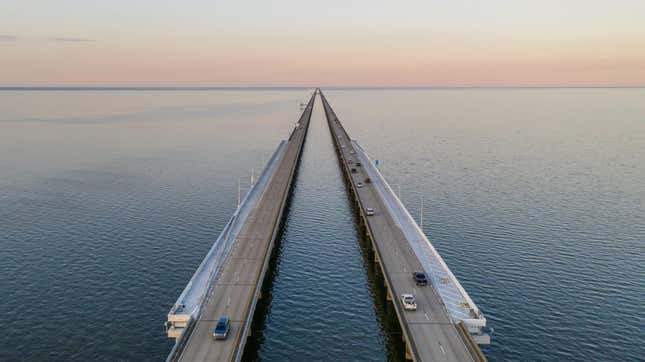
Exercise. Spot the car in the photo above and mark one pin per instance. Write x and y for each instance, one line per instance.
(359, 184)
(420, 278)
(353, 170)
(409, 302)
(222, 327)
(368, 180)
(349, 161)
(369, 211)
(358, 164)
(342, 146)
(352, 152)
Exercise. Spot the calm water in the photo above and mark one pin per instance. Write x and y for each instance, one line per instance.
(535, 198)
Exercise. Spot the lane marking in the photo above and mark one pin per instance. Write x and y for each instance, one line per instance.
(426, 314)
(442, 350)
(228, 301)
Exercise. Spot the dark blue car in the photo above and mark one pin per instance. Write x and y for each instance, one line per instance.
(222, 328)
(420, 278)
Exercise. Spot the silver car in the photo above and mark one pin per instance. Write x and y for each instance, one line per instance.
(409, 302)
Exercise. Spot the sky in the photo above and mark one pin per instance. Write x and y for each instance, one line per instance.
(322, 43)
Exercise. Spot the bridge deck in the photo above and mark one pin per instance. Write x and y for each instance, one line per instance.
(429, 332)
(235, 290)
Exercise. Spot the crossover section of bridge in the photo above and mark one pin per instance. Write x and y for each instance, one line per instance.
(447, 325)
(229, 280)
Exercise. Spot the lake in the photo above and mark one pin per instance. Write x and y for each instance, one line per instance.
(535, 198)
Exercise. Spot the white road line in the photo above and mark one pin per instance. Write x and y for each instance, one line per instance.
(442, 350)
(426, 314)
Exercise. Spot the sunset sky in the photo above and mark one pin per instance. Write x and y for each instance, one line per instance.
(323, 43)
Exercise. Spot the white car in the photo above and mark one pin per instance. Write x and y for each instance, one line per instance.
(352, 152)
(409, 303)
(369, 211)
(360, 184)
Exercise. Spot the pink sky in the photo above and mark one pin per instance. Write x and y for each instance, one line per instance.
(459, 43)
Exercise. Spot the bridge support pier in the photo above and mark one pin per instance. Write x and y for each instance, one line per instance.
(408, 354)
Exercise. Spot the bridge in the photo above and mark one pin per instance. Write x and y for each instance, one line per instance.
(447, 324)
(229, 280)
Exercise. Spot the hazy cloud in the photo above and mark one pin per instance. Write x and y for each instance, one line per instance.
(8, 37)
(11, 37)
(66, 39)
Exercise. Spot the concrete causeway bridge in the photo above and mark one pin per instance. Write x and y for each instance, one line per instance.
(447, 324)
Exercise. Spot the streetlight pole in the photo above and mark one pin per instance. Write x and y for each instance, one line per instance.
(421, 212)
(239, 192)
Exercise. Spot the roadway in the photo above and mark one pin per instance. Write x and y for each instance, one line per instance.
(429, 333)
(238, 285)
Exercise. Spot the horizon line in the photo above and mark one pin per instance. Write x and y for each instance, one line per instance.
(197, 88)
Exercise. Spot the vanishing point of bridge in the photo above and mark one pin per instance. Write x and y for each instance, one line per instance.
(447, 324)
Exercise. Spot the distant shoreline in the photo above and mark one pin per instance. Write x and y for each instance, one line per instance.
(287, 88)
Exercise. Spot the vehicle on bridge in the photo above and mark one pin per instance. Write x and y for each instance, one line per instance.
(368, 180)
(369, 211)
(222, 328)
(353, 170)
(420, 278)
(359, 184)
(409, 302)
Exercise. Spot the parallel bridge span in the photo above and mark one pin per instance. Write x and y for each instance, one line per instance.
(447, 324)
(229, 280)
